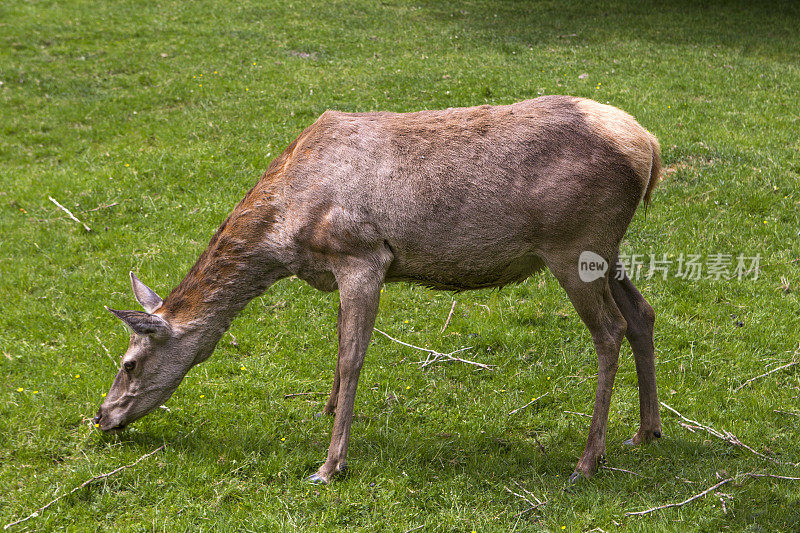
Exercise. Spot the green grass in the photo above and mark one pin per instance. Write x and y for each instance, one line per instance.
(172, 110)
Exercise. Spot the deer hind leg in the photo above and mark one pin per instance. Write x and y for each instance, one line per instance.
(359, 294)
(640, 318)
(330, 405)
(596, 307)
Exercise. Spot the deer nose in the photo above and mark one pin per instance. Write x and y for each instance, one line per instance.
(97, 417)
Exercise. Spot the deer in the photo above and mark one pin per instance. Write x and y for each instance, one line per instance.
(455, 199)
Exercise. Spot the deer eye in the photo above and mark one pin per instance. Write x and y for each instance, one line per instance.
(129, 366)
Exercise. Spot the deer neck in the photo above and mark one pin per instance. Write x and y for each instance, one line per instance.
(238, 265)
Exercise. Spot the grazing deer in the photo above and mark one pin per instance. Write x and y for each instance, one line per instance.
(456, 199)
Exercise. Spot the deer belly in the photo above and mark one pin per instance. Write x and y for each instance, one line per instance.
(458, 272)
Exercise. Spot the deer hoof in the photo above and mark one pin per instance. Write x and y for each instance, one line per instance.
(316, 479)
(629, 442)
(576, 478)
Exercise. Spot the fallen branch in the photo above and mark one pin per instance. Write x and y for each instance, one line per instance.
(680, 504)
(776, 476)
(102, 206)
(434, 356)
(449, 316)
(579, 414)
(708, 490)
(82, 485)
(295, 394)
(529, 403)
(108, 353)
(69, 213)
(532, 505)
(737, 389)
(621, 470)
(728, 437)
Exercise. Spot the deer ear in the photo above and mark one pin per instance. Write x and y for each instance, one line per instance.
(143, 323)
(145, 295)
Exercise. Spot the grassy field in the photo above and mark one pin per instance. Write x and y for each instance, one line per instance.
(149, 120)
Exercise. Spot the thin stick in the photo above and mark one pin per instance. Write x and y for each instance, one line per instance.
(529, 403)
(728, 437)
(99, 207)
(69, 213)
(621, 470)
(579, 414)
(737, 389)
(82, 485)
(680, 504)
(449, 357)
(295, 394)
(108, 354)
(449, 316)
(532, 505)
(405, 343)
(774, 476)
(434, 356)
(521, 497)
(529, 493)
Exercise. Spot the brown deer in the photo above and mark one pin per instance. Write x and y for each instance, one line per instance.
(456, 199)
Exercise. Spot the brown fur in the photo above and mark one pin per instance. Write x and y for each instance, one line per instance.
(454, 199)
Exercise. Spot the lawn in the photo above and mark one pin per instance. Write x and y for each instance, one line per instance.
(150, 120)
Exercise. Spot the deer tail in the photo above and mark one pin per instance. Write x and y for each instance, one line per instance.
(655, 170)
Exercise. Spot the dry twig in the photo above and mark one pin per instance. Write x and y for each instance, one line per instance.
(621, 470)
(102, 206)
(775, 476)
(680, 504)
(532, 505)
(529, 403)
(434, 356)
(708, 490)
(82, 485)
(737, 389)
(728, 437)
(449, 316)
(69, 213)
(295, 394)
(577, 413)
(108, 353)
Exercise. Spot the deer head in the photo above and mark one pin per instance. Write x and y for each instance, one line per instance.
(158, 357)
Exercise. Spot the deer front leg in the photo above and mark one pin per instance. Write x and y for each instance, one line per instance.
(359, 293)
